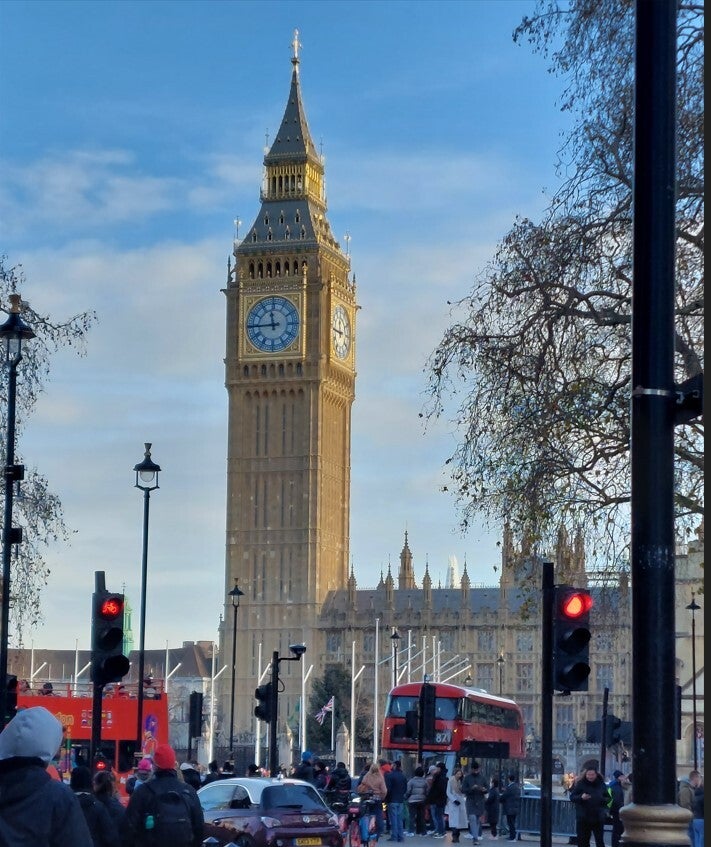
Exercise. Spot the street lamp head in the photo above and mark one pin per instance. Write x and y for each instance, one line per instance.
(298, 650)
(235, 594)
(500, 660)
(395, 637)
(147, 472)
(693, 607)
(468, 680)
(14, 331)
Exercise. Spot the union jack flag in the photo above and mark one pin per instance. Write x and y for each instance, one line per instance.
(323, 711)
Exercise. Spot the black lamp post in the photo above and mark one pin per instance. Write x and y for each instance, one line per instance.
(394, 639)
(500, 661)
(694, 607)
(12, 333)
(234, 596)
(146, 481)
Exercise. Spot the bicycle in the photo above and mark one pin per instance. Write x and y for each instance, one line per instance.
(366, 821)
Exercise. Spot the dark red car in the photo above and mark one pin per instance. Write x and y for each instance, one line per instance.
(263, 812)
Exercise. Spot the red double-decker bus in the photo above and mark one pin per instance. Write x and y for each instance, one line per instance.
(458, 725)
(72, 706)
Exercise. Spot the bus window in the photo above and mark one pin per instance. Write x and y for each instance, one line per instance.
(446, 708)
(399, 706)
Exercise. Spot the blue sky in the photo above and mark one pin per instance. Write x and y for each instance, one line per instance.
(132, 137)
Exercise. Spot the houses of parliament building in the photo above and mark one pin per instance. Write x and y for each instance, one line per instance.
(290, 373)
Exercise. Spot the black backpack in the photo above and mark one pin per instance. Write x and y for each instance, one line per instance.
(172, 818)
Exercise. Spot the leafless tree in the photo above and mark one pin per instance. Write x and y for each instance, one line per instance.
(35, 508)
(535, 369)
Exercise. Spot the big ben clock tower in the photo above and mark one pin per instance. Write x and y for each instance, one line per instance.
(290, 377)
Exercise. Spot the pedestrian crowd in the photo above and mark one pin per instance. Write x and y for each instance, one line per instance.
(163, 810)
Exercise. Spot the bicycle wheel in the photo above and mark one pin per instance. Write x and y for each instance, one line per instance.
(354, 834)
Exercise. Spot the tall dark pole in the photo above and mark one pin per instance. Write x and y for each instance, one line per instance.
(500, 662)
(395, 638)
(234, 595)
(142, 640)
(548, 598)
(652, 407)
(146, 481)
(693, 607)
(654, 816)
(273, 752)
(12, 333)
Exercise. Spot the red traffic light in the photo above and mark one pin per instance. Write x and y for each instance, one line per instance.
(576, 604)
(111, 607)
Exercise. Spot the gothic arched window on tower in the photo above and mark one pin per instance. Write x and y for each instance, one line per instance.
(277, 268)
(260, 270)
(303, 232)
(296, 268)
(269, 234)
(281, 218)
(287, 233)
(297, 217)
(269, 269)
(254, 235)
(251, 270)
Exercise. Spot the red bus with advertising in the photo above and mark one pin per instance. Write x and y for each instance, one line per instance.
(457, 725)
(72, 705)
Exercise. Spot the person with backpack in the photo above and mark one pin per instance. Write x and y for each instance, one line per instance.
(166, 811)
(103, 829)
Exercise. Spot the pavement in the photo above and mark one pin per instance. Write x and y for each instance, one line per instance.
(524, 840)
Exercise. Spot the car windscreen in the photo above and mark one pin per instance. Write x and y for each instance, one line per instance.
(302, 797)
(223, 796)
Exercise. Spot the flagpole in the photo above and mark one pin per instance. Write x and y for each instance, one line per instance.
(354, 677)
(333, 725)
(375, 695)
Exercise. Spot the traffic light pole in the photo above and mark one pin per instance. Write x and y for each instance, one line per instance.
(96, 705)
(273, 752)
(603, 731)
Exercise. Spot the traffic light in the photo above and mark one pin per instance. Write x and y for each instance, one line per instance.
(427, 710)
(613, 730)
(263, 710)
(108, 664)
(195, 719)
(571, 638)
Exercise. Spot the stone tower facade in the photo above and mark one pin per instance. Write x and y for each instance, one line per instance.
(290, 378)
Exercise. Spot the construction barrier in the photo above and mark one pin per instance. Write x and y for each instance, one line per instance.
(562, 816)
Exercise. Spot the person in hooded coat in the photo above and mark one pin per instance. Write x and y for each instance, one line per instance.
(103, 829)
(36, 810)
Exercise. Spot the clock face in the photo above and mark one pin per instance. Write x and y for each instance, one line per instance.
(272, 324)
(341, 332)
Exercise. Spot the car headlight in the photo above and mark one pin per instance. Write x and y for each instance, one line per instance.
(270, 823)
